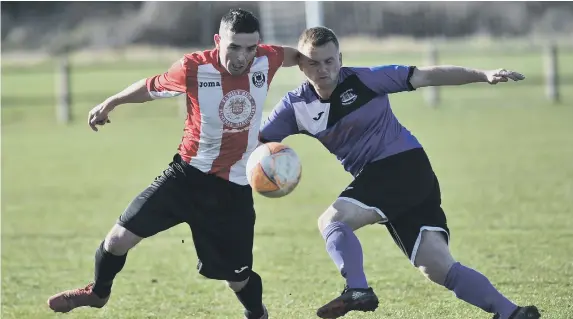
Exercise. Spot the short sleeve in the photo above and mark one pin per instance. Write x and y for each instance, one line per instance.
(169, 84)
(386, 79)
(280, 123)
(275, 54)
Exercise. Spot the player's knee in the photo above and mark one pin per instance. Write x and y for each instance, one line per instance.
(329, 216)
(120, 240)
(237, 286)
(434, 273)
(349, 213)
(433, 257)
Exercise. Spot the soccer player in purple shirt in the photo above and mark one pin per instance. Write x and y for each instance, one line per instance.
(347, 109)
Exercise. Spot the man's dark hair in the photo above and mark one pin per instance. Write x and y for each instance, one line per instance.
(240, 21)
(318, 36)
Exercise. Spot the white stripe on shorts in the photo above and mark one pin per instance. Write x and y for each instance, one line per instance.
(417, 244)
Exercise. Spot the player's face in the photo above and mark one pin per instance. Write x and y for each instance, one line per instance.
(236, 50)
(321, 64)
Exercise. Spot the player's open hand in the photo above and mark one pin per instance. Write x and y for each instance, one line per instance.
(503, 75)
(98, 116)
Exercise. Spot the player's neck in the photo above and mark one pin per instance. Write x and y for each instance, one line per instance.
(325, 92)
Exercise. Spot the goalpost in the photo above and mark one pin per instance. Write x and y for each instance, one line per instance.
(282, 22)
(314, 13)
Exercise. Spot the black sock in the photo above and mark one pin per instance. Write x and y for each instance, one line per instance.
(107, 266)
(251, 296)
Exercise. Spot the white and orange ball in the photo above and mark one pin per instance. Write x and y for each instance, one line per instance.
(274, 169)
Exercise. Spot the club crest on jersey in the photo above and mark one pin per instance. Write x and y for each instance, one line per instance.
(348, 97)
(258, 79)
(237, 109)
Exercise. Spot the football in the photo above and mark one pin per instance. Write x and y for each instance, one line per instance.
(274, 169)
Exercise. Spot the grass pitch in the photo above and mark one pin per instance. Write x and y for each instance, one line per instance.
(504, 157)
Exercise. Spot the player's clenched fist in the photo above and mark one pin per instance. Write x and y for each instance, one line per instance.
(98, 116)
(502, 75)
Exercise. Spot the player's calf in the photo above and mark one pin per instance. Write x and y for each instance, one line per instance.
(434, 259)
(337, 225)
(250, 294)
(110, 258)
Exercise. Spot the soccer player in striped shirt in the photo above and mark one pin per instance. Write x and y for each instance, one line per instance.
(205, 185)
(347, 109)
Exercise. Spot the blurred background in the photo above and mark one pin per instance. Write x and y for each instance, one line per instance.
(504, 154)
(52, 25)
(61, 40)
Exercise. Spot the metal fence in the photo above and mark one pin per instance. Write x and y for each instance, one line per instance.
(63, 96)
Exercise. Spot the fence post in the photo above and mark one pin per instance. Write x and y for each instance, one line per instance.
(551, 73)
(63, 90)
(432, 93)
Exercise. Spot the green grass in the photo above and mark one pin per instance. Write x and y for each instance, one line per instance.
(503, 155)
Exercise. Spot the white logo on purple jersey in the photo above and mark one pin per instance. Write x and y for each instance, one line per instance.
(348, 97)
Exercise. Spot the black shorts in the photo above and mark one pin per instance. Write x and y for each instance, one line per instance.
(220, 214)
(404, 190)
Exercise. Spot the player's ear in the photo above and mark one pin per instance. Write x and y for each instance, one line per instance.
(217, 39)
(340, 57)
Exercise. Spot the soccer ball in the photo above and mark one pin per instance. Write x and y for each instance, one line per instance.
(273, 169)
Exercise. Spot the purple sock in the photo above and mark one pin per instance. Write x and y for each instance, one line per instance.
(346, 252)
(474, 288)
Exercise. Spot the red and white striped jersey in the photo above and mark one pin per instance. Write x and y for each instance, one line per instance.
(224, 112)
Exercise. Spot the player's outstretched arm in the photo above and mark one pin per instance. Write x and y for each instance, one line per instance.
(291, 56)
(456, 75)
(135, 93)
(168, 84)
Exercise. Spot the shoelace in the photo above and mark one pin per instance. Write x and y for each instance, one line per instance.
(78, 291)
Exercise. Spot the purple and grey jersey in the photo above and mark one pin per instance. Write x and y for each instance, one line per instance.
(356, 124)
